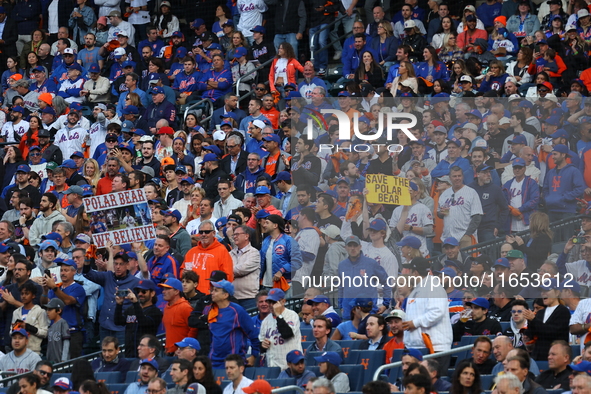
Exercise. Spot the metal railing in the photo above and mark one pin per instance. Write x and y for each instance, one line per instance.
(325, 48)
(288, 388)
(259, 67)
(198, 103)
(562, 229)
(397, 364)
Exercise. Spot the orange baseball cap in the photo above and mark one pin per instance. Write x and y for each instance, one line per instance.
(16, 77)
(46, 98)
(167, 161)
(258, 386)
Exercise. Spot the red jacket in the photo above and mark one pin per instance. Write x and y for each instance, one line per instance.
(176, 323)
(292, 67)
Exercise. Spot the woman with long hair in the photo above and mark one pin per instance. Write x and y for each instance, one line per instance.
(222, 15)
(226, 37)
(495, 77)
(385, 45)
(238, 41)
(518, 68)
(446, 27)
(575, 53)
(31, 137)
(450, 51)
(441, 86)
(135, 100)
(92, 387)
(203, 374)
(406, 72)
(524, 23)
(12, 67)
(432, 68)
(193, 209)
(31, 384)
(284, 67)
(155, 66)
(409, 248)
(165, 21)
(556, 26)
(91, 172)
(32, 62)
(466, 379)
(369, 70)
(539, 246)
(12, 159)
(458, 69)
(329, 368)
(38, 37)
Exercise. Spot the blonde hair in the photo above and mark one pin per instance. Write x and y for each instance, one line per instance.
(97, 173)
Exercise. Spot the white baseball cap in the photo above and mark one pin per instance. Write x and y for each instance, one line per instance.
(219, 135)
(410, 24)
(258, 123)
(69, 51)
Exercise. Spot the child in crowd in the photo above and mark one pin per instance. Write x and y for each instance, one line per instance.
(58, 344)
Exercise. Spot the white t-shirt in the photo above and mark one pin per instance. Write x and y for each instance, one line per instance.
(281, 70)
(463, 204)
(10, 130)
(515, 190)
(418, 216)
(251, 15)
(245, 382)
(309, 241)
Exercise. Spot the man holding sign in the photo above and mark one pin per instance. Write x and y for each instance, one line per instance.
(460, 209)
(415, 219)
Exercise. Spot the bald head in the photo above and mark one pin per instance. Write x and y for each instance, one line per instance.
(502, 345)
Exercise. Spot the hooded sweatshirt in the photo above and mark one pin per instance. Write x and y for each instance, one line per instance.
(204, 260)
(562, 188)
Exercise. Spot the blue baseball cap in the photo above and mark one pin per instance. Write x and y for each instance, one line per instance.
(172, 212)
(344, 93)
(87, 191)
(294, 357)
(455, 141)
(69, 263)
(450, 241)
(272, 137)
(69, 164)
(178, 34)
(502, 262)
(18, 108)
(151, 362)
(276, 295)
(225, 285)
(518, 139)
(475, 113)
(128, 63)
(262, 214)
(262, 190)
(77, 154)
(518, 162)
(34, 147)
(282, 176)
(48, 244)
(411, 241)
(329, 357)
(212, 148)
(448, 271)
(172, 283)
(293, 94)
(552, 120)
(413, 353)
(259, 29)
(4, 248)
(570, 285)
(181, 168)
(560, 148)
(452, 263)
(130, 110)
(379, 225)
(53, 237)
(221, 222)
(229, 22)
(146, 285)
(583, 366)
(48, 110)
(526, 104)
(40, 69)
(94, 68)
(361, 302)
(213, 46)
(196, 23)
(189, 342)
(318, 299)
(157, 90)
(560, 133)
(439, 98)
(75, 66)
(210, 157)
(139, 132)
(23, 168)
(239, 52)
(480, 301)
(188, 179)
(364, 119)
(21, 331)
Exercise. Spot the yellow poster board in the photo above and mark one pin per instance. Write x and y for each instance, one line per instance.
(386, 189)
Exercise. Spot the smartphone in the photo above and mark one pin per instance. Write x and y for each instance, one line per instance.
(47, 273)
(122, 293)
(536, 48)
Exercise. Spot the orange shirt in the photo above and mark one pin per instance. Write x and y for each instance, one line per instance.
(176, 323)
(205, 260)
(272, 115)
(271, 164)
(390, 347)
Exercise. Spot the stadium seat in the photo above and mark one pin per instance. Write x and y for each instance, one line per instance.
(370, 360)
(306, 344)
(108, 377)
(56, 376)
(167, 378)
(266, 373)
(118, 388)
(314, 369)
(219, 374)
(542, 365)
(310, 357)
(347, 346)
(486, 381)
(131, 377)
(276, 383)
(576, 350)
(335, 73)
(355, 374)
(306, 334)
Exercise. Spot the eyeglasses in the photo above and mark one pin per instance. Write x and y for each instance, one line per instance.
(205, 231)
(44, 373)
(543, 90)
(231, 146)
(237, 234)
(516, 312)
(261, 89)
(35, 154)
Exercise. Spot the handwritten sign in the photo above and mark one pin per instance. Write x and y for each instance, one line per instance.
(385, 189)
(122, 217)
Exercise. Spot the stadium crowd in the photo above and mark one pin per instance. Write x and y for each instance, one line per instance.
(267, 199)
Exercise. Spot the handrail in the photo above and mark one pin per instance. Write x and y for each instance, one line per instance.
(259, 67)
(376, 375)
(324, 28)
(288, 388)
(196, 104)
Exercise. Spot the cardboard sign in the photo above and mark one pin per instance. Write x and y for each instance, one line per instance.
(385, 189)
(122, 217)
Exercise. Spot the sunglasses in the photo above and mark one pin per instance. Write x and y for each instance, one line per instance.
(516, 312)
(44, 373)
(260, 89)
(205, 231)
(34, 154)
(142, 290)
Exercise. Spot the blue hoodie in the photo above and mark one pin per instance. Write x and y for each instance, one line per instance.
(562, 188)
(246, 181)
(530, 197)
(494, 206)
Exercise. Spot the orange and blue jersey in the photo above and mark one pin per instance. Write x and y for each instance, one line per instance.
(160, 266)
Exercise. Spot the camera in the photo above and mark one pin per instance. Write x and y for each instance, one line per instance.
(579, 240)
(122, 293)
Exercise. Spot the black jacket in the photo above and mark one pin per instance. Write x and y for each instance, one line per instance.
(364, 345)
(138, 321)
(226, 165)
(555, 328)
(486, 327)
(10, 37)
